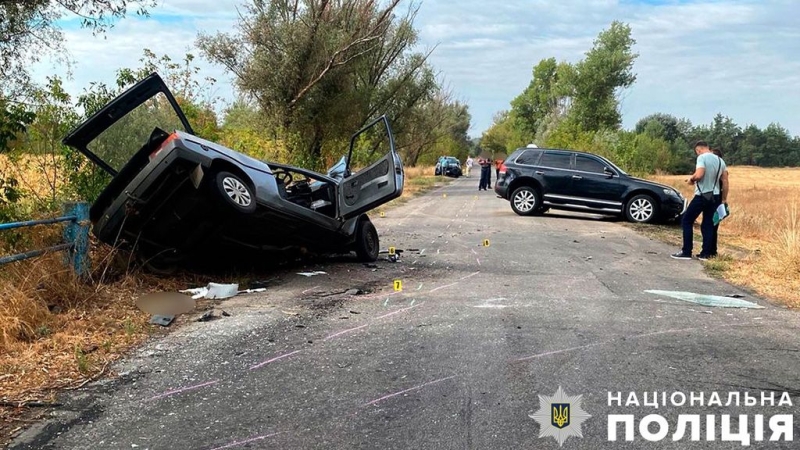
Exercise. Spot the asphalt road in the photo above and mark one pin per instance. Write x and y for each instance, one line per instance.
(458, 358)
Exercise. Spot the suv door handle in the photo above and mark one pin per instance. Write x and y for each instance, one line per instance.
(575, 177)
(539, 172)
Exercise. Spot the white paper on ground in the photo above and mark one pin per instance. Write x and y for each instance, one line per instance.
(213, 291)
(311, 274)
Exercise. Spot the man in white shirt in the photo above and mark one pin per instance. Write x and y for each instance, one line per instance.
(468, 164)
(710, 170)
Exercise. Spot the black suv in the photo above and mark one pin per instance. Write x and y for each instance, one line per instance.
(535, 180)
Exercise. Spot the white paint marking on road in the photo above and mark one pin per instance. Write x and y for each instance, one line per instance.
(473, 251)
(479, 261)
(491, 306)
(422, 252)
(394, 312)
(438, 251)
(420, 286)
(310, 289)
(412, 301)
(386, 303)
(415, 388)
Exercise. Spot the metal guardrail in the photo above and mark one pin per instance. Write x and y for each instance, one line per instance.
(76, 237)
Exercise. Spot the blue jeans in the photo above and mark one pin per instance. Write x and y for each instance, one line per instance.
(698, 206)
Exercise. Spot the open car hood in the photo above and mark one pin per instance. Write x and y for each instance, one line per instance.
(152, 88)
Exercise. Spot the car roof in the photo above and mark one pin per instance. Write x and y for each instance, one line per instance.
(556, 150)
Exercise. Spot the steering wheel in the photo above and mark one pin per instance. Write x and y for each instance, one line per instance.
(283, 176)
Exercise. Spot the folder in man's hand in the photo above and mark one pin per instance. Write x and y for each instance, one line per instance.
(722, 212)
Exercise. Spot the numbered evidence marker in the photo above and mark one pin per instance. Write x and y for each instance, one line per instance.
(485, 242)
(398, 285)
(383, 214)
(444, 195)
(392, 250)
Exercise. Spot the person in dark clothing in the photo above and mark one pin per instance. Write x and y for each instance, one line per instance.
(709, 170)
(486, 174)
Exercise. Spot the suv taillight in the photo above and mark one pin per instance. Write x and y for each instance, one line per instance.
(169, 139)
(503, 168)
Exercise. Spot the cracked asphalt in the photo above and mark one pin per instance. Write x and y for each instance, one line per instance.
(458, 358)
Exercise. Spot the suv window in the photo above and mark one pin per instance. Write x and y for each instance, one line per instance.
(587, 164)
(556, 160)
(529, 157)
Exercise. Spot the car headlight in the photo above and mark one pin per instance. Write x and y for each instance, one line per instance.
(672, 192)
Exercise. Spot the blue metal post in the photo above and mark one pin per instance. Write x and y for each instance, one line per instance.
(77, 232)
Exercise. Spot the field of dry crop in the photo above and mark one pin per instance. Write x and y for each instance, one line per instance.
(760, 241)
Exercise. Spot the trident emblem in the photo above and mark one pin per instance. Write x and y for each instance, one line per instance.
(560, 416)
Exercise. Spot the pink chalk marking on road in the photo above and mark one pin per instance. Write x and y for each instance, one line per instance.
(442, 287)
(635, 336)
(415, 388)
(274, 359)
(345, 332)
(247, 441)
(469, 276)
(178, 391)
(557, 352)
(394, 312)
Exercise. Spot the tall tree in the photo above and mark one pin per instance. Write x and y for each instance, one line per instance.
(321, 68)
(601, 75)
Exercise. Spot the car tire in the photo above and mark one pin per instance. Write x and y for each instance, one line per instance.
(367, 243)
(235, 192)
(641, 209)
(526, 201)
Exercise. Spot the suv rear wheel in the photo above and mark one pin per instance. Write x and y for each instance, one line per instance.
(526, 201)
(641, 209)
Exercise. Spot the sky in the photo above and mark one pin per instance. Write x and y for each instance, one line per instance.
(696, 58)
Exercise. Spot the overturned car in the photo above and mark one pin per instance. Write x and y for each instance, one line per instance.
(174, 197)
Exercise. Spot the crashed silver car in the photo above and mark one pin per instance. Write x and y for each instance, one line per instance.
(174, 196)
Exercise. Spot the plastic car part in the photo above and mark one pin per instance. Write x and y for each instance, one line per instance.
(367, 244)
(526, 201)
(641, 209)
(235, 192)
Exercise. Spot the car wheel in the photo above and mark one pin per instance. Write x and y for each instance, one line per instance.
(525, 201)
(235, 192)
(641, 209)
(367, 243)
(156, 262)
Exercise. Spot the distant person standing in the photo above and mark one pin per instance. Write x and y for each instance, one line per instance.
(497, 164)
(468, 164)
(709, 171)
(486, 174)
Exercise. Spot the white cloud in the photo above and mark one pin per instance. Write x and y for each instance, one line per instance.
(697, 57)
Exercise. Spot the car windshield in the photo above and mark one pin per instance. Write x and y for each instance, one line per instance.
(120, 142)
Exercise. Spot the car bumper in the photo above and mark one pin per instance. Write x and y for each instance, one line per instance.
(671, 209)
(501, 187)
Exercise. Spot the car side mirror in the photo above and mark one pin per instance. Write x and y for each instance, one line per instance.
(609, 173)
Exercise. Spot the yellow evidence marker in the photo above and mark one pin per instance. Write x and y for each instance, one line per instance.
(485, 242)
(383, 214)
(444, 195)
(398, 285)
(392, 251)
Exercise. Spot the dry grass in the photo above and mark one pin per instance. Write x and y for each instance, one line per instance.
(763, 231)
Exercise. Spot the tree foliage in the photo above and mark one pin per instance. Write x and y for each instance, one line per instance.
(320, 69)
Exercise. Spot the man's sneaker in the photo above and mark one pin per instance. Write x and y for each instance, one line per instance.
(704, 257)
(681, 255)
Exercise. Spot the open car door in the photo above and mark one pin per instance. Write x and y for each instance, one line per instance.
(381, 177)
(112, 136)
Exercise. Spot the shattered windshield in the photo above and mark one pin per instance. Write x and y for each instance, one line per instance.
(119, 142)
